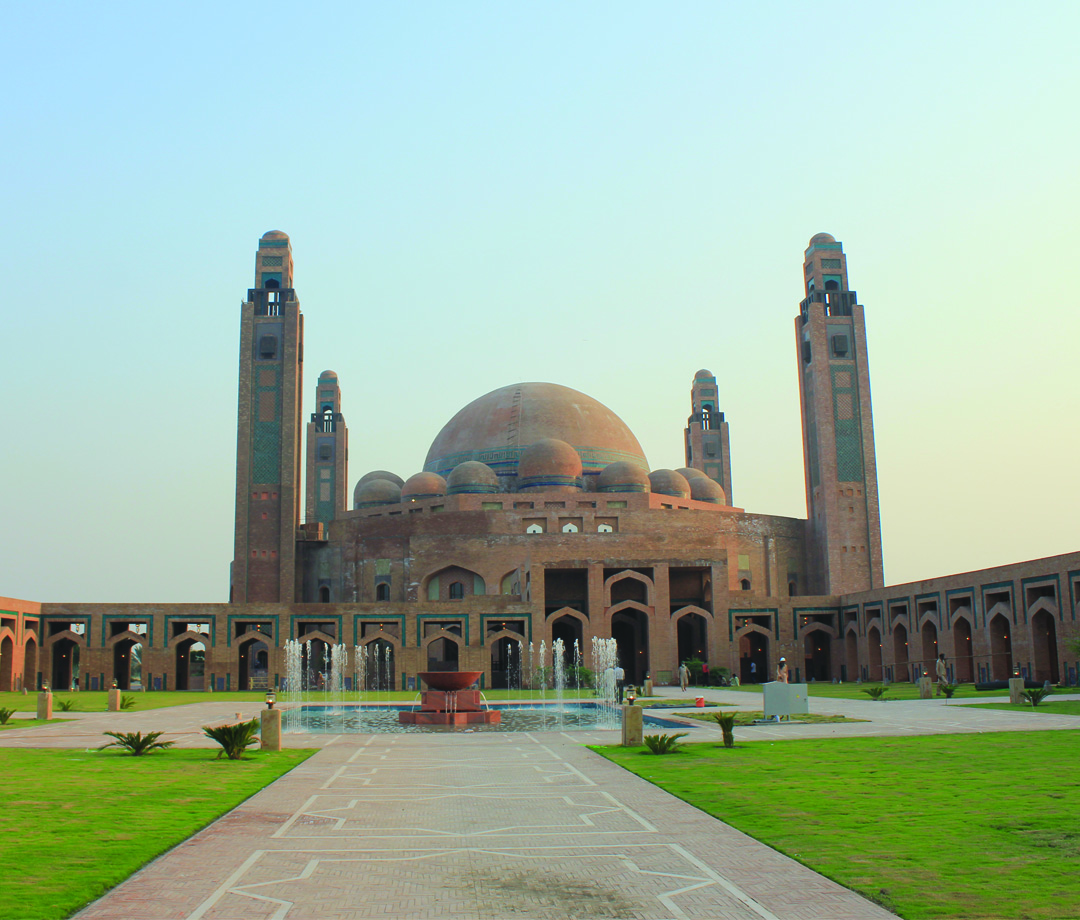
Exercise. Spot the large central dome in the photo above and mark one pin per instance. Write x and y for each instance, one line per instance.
(497, 428)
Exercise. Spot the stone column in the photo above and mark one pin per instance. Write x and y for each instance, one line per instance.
(926, 688)
(44, 705)
(270, 723)
(114, 699)
(633, 726)
(1016, 689)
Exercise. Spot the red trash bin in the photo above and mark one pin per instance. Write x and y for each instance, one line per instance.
(699, 701)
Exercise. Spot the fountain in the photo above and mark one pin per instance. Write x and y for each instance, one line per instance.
(448, 701)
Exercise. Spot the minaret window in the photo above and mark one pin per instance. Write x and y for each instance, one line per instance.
(328, 419)
(267, 348)
(705, 418)
(457, 591)
(382, 592)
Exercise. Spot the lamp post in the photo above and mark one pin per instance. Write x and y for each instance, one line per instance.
(270, 698)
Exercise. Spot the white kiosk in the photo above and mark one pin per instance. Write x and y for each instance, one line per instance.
(785, 700)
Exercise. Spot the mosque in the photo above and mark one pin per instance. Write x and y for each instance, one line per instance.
(536, 516)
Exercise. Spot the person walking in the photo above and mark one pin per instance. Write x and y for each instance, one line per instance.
(782, 672)
(942, 674)
(620, 676)
(684, 676)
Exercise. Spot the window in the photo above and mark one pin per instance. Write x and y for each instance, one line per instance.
(570, 527)
(605, 528)
(324, 595)
(745, 584)
(534, 528)
(267, 347)
(382, 592)
(457, 591)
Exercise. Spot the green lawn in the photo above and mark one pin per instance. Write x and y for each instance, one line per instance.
(97, 700)
(28, 723)
(851, 691)
(747, 718)
(73, 825)
(944, 826)
(1056, 707)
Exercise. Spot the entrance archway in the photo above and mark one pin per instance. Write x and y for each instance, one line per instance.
(965, 667)
(379, 665)
(1000, 648)
(929, 648)
(873, 654)
(127, 664)
(817, 655)
(315, 664)
(29, 678)
(693, 637)
(442, 655)
(254, 664)
(753, 658)
(900, 654)
(505, 664)
(851, 642)
(630, 630)
(7, 653)
(1044, 647)
(190, 665)
(65, 664)
(569, 629)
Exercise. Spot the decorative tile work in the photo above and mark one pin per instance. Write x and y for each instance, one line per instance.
(849, 462)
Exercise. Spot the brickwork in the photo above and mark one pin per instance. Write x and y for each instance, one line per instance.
(20, 640)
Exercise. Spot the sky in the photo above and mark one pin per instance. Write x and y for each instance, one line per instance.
(605, 195)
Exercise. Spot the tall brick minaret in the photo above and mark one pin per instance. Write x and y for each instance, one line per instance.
(838, 428)
(268, 430)
(706, 434)
(327, 453)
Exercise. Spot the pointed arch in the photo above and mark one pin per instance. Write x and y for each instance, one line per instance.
(630, 574)
(126, 635)
(189, 634)
(691, 608)
(439, 585)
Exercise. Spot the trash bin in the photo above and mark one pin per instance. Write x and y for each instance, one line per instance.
(699, 701)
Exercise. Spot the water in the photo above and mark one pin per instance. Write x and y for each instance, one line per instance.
(315, 675)
(515, 718)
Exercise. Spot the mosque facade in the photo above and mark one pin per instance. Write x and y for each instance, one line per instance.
(536, 516)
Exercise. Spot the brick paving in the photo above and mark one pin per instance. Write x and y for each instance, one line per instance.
(482, 825)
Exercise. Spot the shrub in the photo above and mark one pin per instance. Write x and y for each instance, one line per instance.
(6, 714)
(65, 705)
(876, 693)
(234, 739)
(136, 743)
(1036, 695)
(948, 690)
(664, 744)
(581, 677)
(726, 721)
(127, 702)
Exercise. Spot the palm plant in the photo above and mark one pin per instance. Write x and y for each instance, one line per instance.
(1036, 695)
(876, 693)
(726, 721)
(6, 714)
(136, 743)
(127, 702)
(948, 690)
(664, 744)
(65, 705)
(235, 738)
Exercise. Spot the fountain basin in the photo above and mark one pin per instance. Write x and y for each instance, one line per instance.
(448, 702)
(450, 680)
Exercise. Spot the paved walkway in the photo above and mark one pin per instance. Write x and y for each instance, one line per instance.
(486, 826)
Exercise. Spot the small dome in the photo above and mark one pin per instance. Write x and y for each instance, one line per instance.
(472, 477)
(822, 238)
(705, 490)
(424, 485)
(328, 375)
(274, 235)
(380, 474)
(704, 375)
(376, 492)
(549, 464)
(690, 475)
(668, 482)
(622, 476)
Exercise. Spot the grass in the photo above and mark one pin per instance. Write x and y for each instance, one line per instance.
(98, 700)
(980, 827)
(1050, 706)
(747, 718)
(851, 691)
(29, 723)
(667, 703)
(74, 824)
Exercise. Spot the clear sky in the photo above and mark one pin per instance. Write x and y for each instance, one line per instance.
(603, 195)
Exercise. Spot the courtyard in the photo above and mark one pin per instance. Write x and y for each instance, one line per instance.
(537, 825)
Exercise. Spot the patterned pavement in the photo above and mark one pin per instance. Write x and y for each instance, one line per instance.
(486, 825)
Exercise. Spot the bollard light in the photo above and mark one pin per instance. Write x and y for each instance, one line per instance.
(630, 697)
(270, 697)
